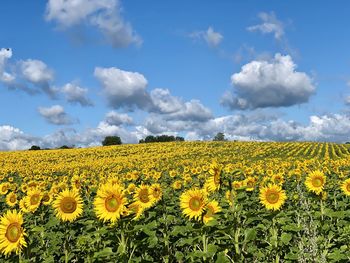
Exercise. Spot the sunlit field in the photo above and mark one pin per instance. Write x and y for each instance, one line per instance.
(177, 202)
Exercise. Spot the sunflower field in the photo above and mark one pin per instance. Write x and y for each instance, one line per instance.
(177, 202)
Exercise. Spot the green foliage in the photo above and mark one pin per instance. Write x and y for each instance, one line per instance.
(111, 140)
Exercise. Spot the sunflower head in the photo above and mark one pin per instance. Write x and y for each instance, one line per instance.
(272, 196)
(211, 209)
(11, 199)
(156, 192)
(315, 182)
(33, 199)
(109, 203)
(345, 187)
(144, 197)
(11, 233)
(193, 203)
(68, 205)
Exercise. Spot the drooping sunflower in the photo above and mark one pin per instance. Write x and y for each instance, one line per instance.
(272, 196)
(249, 183)
(33, 199)
(193, 202)
(213, 182)
(11, 199)
(315, 182)
(68, 205)
(11, 233)
(110, 202)
(156, 192)
(345, 187)
(211, 209)
(143, 197)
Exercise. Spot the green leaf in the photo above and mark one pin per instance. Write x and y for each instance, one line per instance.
(250, 234)
(285, 238)
(106, 252)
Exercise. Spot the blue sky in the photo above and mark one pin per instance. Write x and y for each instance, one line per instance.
(72, 72)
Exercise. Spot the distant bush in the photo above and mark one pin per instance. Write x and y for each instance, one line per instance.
(220, 137)
(111, 140)
(162, 138)
(34, 148)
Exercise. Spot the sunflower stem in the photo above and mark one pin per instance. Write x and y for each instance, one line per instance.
(237, 241)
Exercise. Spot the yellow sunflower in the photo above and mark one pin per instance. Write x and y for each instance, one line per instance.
(4, 187)
(315, 182)
(23, 206)
(68, 205)
(213, 182)
(212, 208)
(156, 192)
(193, 202)
(272, 196)
(11, 199)
(11, 233)
(33, 199)
(249, 183)
(46, 198)
(143, 197)
(135, 208)
(109, 202)
(345, 187)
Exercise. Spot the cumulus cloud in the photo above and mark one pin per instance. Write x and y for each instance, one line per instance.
(55, 115)
(105, 15)
(5, 54)
(253, 126)
(269, 25)
(75, 94)
(173, 108)
(117, 119)
(212, 38)
(123, 89)
(274, 83)
(40, 75)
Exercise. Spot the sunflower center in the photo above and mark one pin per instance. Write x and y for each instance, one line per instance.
(272, 197)
(34, 199)
(13, 232)
(217, 178)
(156, 192)
(46, 198)
(317, 182)
(250, 184)
(112, 204)
(348, 187)
(68, 205)
(143, 196)
(12, 199)
(195, 203)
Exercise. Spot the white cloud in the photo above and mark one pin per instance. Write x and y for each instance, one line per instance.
(76, 94)
(40, 75)
(274, 83)
(269, 24)
(117, 119)
(5, 54)
(55, 115)
(123, 89)
(103, 14)
(212, 38)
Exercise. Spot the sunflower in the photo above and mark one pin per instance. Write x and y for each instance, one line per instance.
(213, 182)
(177, 185)
(4, 187)
(33, 199)
(143, 197)
(249, 183)
(11, 233)
(277, 178)
(68, 205)
(272, 196)
(156, 192)
(47, 198)
(345, 187)
(23, 206)
(193, 202)
(110, 202)
(11, 199)
(135, 208)
(315, 182)
(212, 208)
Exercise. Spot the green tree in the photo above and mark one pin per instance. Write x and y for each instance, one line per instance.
(111, 140)
(220, 136)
